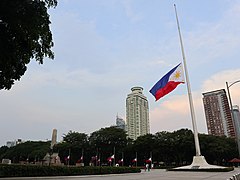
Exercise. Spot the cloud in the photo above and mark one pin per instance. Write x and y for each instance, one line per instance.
(96, 65)
(218, 81)
(174, 113)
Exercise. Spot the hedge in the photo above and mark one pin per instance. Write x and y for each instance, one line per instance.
(14, 170)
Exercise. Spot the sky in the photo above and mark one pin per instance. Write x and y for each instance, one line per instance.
(104, 48)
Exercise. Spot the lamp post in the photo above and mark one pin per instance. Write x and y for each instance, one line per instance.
(230, 101)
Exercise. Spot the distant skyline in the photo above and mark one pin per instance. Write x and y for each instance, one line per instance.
(104, 48)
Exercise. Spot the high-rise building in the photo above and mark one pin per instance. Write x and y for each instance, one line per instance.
(218, 114)
(120, 123)
(137, 113)
(13, 143)
(236, 115)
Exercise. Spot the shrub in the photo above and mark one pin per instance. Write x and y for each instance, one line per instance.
(34, 170)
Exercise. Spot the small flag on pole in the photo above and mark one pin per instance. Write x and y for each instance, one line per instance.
(109, 159)
(134, 160)
(149, 160)
(168, 82)
(120, 161)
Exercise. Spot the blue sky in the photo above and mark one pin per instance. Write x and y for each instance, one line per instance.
(104, 48)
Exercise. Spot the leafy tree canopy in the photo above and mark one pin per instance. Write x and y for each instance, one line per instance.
(167, 147)
(24, 34)
(23, 151)
(112, 136)
(76, 138)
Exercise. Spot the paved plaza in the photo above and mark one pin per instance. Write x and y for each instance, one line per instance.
(154, 174)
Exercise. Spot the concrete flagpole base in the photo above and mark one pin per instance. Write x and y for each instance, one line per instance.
(199, 162)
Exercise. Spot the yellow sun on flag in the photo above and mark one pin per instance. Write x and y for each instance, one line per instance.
(177, 75)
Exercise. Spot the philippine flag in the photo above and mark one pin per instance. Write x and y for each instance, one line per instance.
(168, 82)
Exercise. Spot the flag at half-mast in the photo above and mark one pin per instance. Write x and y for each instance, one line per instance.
(134, 160)
(168, 82)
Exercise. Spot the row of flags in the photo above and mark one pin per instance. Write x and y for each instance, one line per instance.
(147, 161)
(109, 159)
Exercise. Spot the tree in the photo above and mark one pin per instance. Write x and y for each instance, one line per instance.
(145, 146)
(165, 146)
(3, 150)
(30, 150)
(24, 35)
(217, 149)
(177, 147)
(74, 143)
(105, 140)
(80, 139)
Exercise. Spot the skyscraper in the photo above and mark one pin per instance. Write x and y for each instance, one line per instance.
(120, 123)
(218, 114)
(236, 115)
(137, 113)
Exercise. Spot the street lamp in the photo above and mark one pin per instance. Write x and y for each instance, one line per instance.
(230, 101)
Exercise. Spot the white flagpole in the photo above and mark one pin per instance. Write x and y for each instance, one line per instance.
(136, 159)
(198, 153)
(114, 156)
(122, 159)
(82, 156)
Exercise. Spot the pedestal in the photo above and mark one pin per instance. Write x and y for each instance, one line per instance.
(199, 162)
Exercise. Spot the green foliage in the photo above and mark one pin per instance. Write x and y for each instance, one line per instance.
(177, 146)
(218, 150)
(144, 146)
(29, 150)
(32, 170)
(74, 142)
(76, 138)
(168, 149)
(105, 140)
(3, 150)
(24, 34)
(111, 136)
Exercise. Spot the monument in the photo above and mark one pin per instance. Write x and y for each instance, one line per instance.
(199, 161)
(54, 138)
(52, 158)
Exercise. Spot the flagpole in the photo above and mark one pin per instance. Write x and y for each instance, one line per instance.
(99, 158)
(122, 159)
(69, 155)
(136, 159)
(82, 156)
(194, 124)
(114, 156)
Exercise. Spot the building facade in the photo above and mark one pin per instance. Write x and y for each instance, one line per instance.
(13, 143)
(236, 118)
(120, 123)
(218, 114)
(137, 113)
(236, 115)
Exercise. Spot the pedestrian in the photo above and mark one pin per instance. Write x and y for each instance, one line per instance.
(147, 167)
